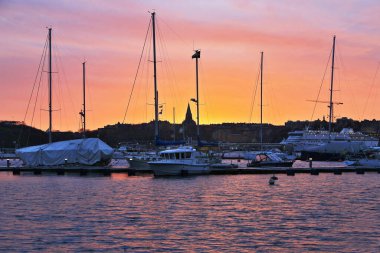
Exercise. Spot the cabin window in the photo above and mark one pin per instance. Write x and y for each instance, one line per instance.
(177, 156)
(187, 155)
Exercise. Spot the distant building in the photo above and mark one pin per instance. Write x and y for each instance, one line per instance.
(189, 126)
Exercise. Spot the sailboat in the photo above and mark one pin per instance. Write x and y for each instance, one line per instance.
(140, 161)
(333, 146)
(85, 151)
(266, 158)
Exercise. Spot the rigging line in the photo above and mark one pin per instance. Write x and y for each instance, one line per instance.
(34, 85)
(172, 72)
(253, 95)
(36, 77)
(187, 43)
(147, 77)
(59, 94)
(370, 91)
(320, 87)
(36, 100)
(65, 82)
(138, 67)
(168, 66)
(353, 95)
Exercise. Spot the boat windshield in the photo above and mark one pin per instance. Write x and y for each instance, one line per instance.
(176, 155)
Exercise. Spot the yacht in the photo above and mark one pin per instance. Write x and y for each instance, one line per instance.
(307, 139)
(180, 161)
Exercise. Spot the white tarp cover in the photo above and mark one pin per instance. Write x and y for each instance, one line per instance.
(81, 151)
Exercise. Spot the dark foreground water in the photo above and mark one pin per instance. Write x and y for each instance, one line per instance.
(237, 213)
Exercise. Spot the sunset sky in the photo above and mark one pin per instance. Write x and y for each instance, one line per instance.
(295, 36)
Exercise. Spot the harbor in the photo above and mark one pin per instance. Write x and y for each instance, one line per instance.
(190, 126)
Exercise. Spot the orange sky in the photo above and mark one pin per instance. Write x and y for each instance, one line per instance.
(296, 37)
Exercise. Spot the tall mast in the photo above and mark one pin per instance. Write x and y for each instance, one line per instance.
(331, 87)
(261, 101)
(84, 99)
(156, 134)
(197, 55)
(173, 123)
(50, 92)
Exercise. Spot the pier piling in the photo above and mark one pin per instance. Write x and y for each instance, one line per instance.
(290, 172)
(360, 171)
(314, 172)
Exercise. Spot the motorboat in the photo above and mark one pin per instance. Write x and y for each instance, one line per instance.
(369, 158)
(183, 160)
(269, 159)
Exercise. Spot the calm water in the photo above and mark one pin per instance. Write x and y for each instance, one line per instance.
(237, 213)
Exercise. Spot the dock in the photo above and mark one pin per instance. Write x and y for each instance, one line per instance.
(85, 170)
(292, 171)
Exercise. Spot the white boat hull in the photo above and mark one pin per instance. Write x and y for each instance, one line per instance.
(165, 169)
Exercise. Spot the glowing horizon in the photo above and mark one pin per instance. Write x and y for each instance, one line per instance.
(295, 36)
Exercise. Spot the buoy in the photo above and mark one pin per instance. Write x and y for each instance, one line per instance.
(272, 179)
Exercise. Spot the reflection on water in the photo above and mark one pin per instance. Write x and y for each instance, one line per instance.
(239, 213)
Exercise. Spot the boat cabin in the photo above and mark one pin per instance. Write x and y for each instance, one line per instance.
(180, 153)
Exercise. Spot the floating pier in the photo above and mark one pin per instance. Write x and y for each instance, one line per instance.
(62, 170)
(293, 171)
(107, 171)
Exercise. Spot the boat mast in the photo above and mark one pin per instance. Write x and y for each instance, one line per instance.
(261, 101)
(156, 134)
(83, 113)
(173, 123)
(331, 88)
(197, 55)
(50, 88)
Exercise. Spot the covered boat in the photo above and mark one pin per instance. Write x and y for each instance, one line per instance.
(89, 151)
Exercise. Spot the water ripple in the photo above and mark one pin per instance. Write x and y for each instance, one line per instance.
(239, 213)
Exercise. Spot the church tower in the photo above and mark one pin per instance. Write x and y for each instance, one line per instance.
(189, 125)
(189, 116)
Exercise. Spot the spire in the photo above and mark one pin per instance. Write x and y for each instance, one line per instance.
(189, 115)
